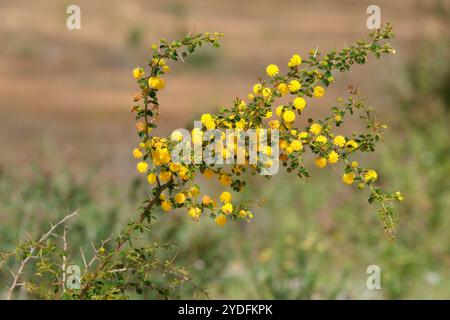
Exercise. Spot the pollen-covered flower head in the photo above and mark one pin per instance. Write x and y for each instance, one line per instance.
(138, 73)
(339, 141)
(299, 103)
(194, 212)
(321, 162)
(294, 86)
(348, 178)
(321, 139)
(166, 205)
(283, 89)
(370, 175)
(227, 208)
(333, 157)
(272, 70)
(315, 128)
(318, 91)
(142, 167)
(289, 116)
(221, 220)
(295, 60)
(180, 198)
(351, 145)
(225, 197)
(156, 83)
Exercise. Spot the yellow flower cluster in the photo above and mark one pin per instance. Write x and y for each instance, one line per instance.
(303, 80)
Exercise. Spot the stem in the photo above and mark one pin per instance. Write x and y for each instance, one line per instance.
(124, 237)
(30, 254)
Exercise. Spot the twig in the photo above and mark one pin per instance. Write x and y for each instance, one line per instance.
(64, 257)
(84, 258)
(25, 260)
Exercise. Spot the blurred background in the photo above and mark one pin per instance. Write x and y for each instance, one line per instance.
(66, 135)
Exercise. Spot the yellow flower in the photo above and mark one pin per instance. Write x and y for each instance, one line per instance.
(321, 162)
(166, 68)
(225, 196)
(272, 70)
(339, 141)
(274, 124)
(166, 205)
(399, 196)
(210, 125)
(351, 145)
(315, 128)
(221, 220)
(180, 198)
(296, 145)
(268, 115)
(156, 83)
(257, 88)
(194, 191)
(151, 178)
(208, 173)
(176, 136)
(354, 164)
(333, 157)
(194, 212)
(241, 105)
(142, 167)
(266, 92)
(289, 116)
(138, 72)
(174, 167)
(337, 118)
(279, 111)
(140, 126)
(348, 178)
(227, 208)
(299, 103)
(303, 135)
(267, 150)
(224, 179)
(161, 156)
(206, 200)
(240, 124)
(137, 153)
(183, 173)
(295, 60)
(318, 92)
(206, 118)
(370, 175)
(294, 86)
(321, 139)
(165, 176)
(160, 62)
(282, 89)
(242, 213)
